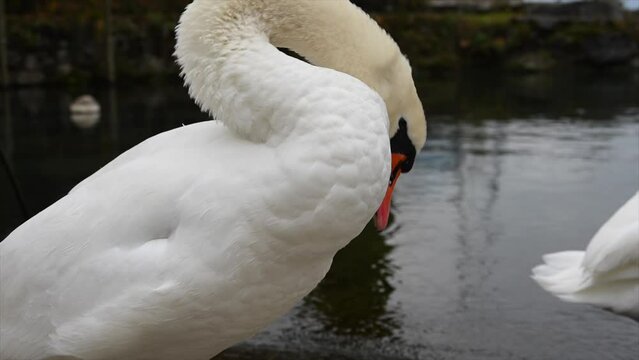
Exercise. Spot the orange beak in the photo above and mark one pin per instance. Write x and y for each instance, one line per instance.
(381, 217)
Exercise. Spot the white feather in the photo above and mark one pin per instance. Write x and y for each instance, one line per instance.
(607, 273)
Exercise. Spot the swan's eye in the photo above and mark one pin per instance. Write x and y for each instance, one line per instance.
(401, 144)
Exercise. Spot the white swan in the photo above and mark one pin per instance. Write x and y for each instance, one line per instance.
(607, 273)
(198, 237)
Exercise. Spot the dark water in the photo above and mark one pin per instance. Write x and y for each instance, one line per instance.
(513, 168)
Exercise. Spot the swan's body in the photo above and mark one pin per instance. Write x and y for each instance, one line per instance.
(607, 273)
(198, 237)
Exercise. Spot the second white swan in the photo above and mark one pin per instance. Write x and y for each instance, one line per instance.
(607, 273)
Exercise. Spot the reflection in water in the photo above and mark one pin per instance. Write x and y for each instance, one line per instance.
(513, 168)
(484, 95)
(85, 120)
(113, 119)
(11, 195)
(7, 125)
(477, 176)
(353, 297)
(32, 101)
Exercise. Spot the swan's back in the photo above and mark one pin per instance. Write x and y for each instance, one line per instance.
(607, 273)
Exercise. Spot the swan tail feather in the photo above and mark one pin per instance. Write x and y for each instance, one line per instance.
(564, 259)
(564, 276)
(562, 273)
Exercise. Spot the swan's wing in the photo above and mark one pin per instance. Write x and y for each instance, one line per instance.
(107, 239)
(140, 299)
(616, 244)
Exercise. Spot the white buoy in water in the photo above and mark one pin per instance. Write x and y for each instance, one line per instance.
(85, 112)
(85, 104)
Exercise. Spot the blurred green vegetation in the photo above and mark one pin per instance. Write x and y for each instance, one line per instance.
(438, 42)
(65, 39)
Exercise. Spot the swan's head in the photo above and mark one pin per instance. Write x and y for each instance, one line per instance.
(407, 128)
(331, 34)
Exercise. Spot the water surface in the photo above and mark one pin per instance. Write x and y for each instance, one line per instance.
(514, 167)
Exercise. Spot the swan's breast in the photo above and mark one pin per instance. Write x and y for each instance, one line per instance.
(333, 163)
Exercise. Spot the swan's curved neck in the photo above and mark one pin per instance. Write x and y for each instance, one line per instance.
(225, 47)
(336, 35)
